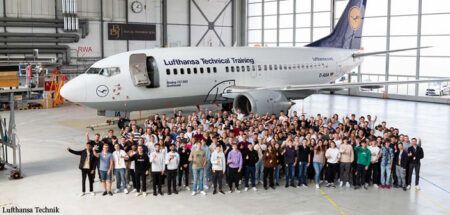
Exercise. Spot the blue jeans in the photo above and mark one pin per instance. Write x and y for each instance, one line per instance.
(250, 172)
(198, 179)
(259, 170)
(302, 167)
(207, 172)
(385, 174)
(317, 169)
(120, 177)
(277, 173)
(289, 174)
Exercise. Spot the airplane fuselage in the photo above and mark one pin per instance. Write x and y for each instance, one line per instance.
(192, 76)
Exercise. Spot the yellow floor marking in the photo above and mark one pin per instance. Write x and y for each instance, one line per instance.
(335, 205)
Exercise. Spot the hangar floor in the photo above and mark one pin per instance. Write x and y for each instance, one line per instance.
(52, 178)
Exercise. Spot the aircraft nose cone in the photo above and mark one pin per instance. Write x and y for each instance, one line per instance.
(74, 90)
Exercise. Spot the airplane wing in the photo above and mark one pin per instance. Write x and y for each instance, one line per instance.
(232, 91)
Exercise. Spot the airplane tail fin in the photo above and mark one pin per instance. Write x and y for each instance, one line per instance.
(348, 31)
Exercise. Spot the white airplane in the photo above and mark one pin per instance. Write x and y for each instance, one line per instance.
(258, 80)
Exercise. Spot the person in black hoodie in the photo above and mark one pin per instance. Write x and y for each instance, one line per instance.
(141, 166)
(250, 158)
(415, 154)
(401, 163)
(87, 166)
(184, 153)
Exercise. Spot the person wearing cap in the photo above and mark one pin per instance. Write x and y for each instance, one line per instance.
(87, 167)
(172, 162)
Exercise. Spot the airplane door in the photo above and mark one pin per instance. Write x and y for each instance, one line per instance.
(138, 70)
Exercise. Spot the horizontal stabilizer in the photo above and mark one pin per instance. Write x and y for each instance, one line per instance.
(356, 55)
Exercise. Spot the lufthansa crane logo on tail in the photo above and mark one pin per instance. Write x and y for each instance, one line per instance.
(102, 91)
(355, 18)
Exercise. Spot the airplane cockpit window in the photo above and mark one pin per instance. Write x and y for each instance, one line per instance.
(108, 72)
(93, 70)
(105, 72)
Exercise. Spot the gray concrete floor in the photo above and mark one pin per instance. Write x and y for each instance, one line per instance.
(52, 178)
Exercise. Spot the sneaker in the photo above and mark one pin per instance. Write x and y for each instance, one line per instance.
(187, 188)
(287, 185)
(381, 186)
(206, 187)
(110, 193)
(273, 188)
(221, 191)
(254, 189)
(317, 186)
(404, 188)
(408, 187)
(238, 191)
(92, 193)
(203, 193)
(125, 191)
(387, 187)
(161, 193)
(133, 191)
(155, 194)
(376, 186)
(347, 184)
(82, 194)
(356, 187)
(230, 191)
(265, 188)
(333, 185)
(277, 184)
(246, 189)
(328, 185)
(341, 184)
(169, 193)
(116, 191)
(214, 192)
(194, 193)
(176, 192)
(105, 193)
(138, 194)
(365, 186)
(304, 185)
(417, 187)
(144, 194)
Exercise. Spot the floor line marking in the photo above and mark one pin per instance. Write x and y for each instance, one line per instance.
(332, 202)
(441, 188)
(426, 197)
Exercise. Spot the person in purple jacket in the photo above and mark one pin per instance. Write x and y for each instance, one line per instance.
(234, 162)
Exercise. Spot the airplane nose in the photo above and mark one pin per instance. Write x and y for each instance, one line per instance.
(74, 90)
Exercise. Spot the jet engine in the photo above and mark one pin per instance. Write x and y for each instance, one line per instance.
(261, 102)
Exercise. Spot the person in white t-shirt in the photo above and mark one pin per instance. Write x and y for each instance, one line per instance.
(374, 169)
(119, 157)
(333, 155)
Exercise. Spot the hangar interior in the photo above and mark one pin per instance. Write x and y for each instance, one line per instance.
(73, 34)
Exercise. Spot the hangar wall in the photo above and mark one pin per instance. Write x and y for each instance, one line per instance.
(178, 23)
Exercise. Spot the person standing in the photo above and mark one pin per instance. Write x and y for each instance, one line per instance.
(304, 157)
(346, 160)
(401, 163)
(270, 161)
(234, 161)
(373, 173)
(415, 154)
(106, 168)
(184, 153)
(387, 155)
(141, 166)
(260, 147)
(158, 166)
(198, 160)
(131, 167)
(318, 161)
(290, 159)
(172, 161)
(119, 157)
(218, 168)
(250, 160)
(333, 155)
(87, 167)
(362, 162)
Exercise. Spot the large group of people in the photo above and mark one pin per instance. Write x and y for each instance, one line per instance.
(195, 151)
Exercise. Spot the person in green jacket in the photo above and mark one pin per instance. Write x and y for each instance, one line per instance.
(363, 162)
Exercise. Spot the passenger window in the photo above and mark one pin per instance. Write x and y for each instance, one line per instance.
(290, 67)
(265, 67)
(182, 71)
(168, 71)
(188, 71)
(243, 68)
(195, 70)
(202, 70)
(253, 67)
(232, 69)
(285, 67)
(248, 68)
(275, 67)
(208, 70)
(270, 67)
(227, 69)
(175, 72)
(237, 69)
(214, 69)
(259, 67)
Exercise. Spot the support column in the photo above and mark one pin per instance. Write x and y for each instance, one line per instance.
(419, 43)
(388, 44)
